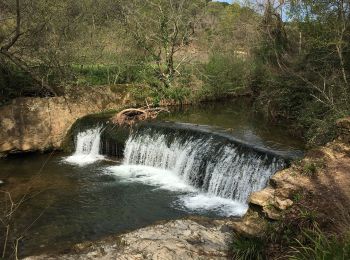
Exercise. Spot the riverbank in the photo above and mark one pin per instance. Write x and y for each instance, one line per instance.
(304, 212)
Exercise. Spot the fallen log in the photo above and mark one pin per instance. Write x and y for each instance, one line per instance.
(131, 115)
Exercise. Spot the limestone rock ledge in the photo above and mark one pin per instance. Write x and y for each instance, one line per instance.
(39, 124)
(324, 173)
(179, 239)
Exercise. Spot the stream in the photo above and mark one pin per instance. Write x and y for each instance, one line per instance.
(166, 173)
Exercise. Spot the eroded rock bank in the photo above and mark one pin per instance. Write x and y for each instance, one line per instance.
(309, 200)
(324, 175)
(39, 124)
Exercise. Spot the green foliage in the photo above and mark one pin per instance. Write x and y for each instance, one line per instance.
(285, 97)
(302, 71)
(318, 246)
(246, 248)
(297, 197)
(14, 83)
(309, 169)
(106, 74)
(319, 130)
(224, 73)
(308, 216)
(177, 93)
(297, 69)
(143, 92)
(296, 235)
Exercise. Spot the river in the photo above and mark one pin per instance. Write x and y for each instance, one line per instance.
(69, 199)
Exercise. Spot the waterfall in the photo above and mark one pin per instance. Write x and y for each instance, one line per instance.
(87, 147)
(217, 167)
(207, 170)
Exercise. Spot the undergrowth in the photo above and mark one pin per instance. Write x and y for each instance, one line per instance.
(308, 244)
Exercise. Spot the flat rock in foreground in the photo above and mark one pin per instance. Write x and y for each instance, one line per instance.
(179, 239)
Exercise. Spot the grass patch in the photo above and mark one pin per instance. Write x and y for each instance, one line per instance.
(246, 248)
(319, 246)
(100, 74)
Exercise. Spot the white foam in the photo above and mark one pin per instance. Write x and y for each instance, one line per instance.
(205, 202)
(168, 180)
(83, 159)
(163, 179)
(87, 149)
(221, 169)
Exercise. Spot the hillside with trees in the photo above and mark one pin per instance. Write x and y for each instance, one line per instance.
(292, 56)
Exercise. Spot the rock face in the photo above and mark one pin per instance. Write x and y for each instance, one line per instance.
(276, 198)
(38, 124)
(179, 239)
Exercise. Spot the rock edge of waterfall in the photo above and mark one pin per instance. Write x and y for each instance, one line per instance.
(201, 238)
(41, 124)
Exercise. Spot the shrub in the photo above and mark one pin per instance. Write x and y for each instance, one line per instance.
(319, 246)
(309, 169)
(224, 73)
(246, 248)
(14, 83)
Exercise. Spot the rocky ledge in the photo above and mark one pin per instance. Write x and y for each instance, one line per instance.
(324, 173)
(39, 124)
(179, 239)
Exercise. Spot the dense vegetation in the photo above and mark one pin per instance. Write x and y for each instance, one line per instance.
(293, 56)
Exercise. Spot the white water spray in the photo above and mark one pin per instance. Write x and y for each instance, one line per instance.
(222, 173)
(87, 149)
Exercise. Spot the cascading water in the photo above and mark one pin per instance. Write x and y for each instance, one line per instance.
(87, 148)
(223, 173)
